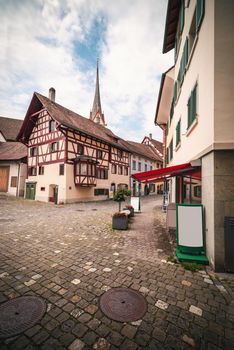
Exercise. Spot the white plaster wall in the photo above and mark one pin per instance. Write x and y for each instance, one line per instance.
(2, 138)
(224, 72)
(22, 179)
(51, 177)
(200, 70)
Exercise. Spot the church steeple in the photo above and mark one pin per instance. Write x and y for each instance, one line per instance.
(96, 114)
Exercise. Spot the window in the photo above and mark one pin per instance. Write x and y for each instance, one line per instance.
(51, 125)
(61, 169)
(126, 170)
(197, 191)
(42, 188)
(151, 168)
(167, 155)
(139, 166)
(102, 173)
(183, 64)
(85, 169)
(172, 110)
(120, 170)
(113, 169)
(182, 16)
(98, 154)
(33, 151)
(101, 192)
(157, 165)
(80, 149)
(171, 149)
(119, 153)
(54, 146)
(41, 170)
(178, 133)
(199, 13)
(192, 34)
(13, 181)
(133, 165)
(192, 106)
(32, 171)
(145, 167)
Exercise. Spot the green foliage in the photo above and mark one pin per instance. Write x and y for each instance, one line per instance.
(192, 266)
(120, 195)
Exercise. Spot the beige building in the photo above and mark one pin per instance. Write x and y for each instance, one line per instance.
(144, 157)
(195, 109)
(70, 157)
(13, 158)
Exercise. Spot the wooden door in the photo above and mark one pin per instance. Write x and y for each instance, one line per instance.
(4, 178)
(30, 191)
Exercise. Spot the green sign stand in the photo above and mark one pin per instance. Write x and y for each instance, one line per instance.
(190, 244)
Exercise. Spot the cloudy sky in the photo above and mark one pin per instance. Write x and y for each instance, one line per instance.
(56, 43)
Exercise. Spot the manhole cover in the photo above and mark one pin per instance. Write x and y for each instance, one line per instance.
(123, 304)
(19, 314)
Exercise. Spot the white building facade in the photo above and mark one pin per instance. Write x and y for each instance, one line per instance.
(195, 107)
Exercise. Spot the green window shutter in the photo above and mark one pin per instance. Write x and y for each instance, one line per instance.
(175, 91)
(199, 13)
(182, 16)
(178, 133)
(172, 110)
(194, 103)
(175, 52)
(186, 52)
(189, 112)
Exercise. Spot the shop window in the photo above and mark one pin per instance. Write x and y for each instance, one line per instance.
(13, 181)
(101, 192)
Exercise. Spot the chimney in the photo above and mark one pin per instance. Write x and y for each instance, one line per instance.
(52, 94)
(150, 136)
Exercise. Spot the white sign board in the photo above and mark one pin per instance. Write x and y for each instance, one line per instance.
(135, 202)
(190, 232)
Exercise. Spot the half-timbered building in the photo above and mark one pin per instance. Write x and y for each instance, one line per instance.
(70, 157)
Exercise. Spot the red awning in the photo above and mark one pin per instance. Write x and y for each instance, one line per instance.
(163, 173)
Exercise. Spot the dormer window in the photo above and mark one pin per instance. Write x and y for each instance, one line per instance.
(51, 125)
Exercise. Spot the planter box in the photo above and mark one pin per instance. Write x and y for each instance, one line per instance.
(120, 223)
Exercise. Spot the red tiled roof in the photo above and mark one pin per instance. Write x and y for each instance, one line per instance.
(12, 150)
(68, 118)
(10, 128)
(158, 145)
(143, 150)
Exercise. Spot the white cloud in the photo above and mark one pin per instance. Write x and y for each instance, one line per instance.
(37, 52)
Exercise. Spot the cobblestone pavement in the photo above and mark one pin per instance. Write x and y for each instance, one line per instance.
(70, 256)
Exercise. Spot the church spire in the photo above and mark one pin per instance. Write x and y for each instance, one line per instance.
(96, 114)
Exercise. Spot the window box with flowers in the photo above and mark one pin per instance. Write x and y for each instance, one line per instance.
(120, 221)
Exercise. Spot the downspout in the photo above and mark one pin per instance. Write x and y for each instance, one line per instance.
(18, 180)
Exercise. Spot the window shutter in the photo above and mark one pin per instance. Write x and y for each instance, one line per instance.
(199, 13)
(194, 102)
(182, 16)
(186, 52)
(175, 91)
(189, 112)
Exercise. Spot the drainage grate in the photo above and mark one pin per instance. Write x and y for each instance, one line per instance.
(123, 304)
(19, 314)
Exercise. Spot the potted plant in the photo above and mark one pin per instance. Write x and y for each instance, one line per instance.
(131, 209)
(120, 195)
(120, 221)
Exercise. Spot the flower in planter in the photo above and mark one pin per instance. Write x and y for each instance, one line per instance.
(129, 206)
(119, 215)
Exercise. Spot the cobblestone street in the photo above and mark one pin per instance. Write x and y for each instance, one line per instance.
(69, 255)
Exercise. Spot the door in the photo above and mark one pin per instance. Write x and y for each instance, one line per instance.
(55, 194)
(30, 191)
(4, 178)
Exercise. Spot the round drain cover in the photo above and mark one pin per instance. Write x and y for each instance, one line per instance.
(123, 304)
(19, 314)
